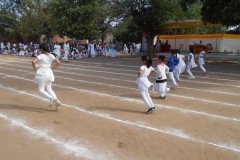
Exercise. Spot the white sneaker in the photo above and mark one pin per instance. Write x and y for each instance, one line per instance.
(58, 105)
(191, 77)
(175, 86)
(52, 101)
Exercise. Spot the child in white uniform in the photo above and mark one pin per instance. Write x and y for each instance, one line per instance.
(191, 64)
(180, 67)
(44, 74)
(161, 78)
(201, 61)
(143, 82)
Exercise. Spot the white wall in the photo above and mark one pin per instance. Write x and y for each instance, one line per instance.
(220, 43)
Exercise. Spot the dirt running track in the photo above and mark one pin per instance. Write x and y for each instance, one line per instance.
(103, 116)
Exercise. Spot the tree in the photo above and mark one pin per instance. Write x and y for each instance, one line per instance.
(148, 15)
(225, 12)
(75, 18)
(25, 17)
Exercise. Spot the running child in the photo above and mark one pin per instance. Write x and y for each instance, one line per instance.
(191, 64)
(161, 78)
(143, 82)
(201, 61)
(172, 62)
(179, 69)
(44, 74)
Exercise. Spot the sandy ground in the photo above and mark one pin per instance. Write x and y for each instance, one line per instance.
(103, 116)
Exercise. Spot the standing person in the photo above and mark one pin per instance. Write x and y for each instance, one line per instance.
(110, 49)
(201, 61)
(172, 62)
(191, 64)
(161, 79)
(57, 50)
(8, 45)
(104, 49)
(128, 46)
(180, 67)
(66, 50)
(125, 49)
(115, 47)
(2, 45)
(143, 82)
(158, 43)
(44, 74)
(91, 49)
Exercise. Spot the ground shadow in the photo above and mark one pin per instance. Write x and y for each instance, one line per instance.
(105, 108)
(25, 108)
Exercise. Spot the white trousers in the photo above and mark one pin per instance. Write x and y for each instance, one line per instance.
(189, 67)
(170, 75)
(66, 55)
(92, 55)
(176, 74)
(161, 88)
(50, 93)
(202, 68)
(147, 99)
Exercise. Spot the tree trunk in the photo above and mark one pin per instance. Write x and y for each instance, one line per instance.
(102, 37)
(150, 47)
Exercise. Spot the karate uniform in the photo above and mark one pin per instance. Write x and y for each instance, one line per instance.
(191, 64)
(201, 61)
(44, 75)
(144, 84)
(180, 67)
(172, 62)
(161, 80)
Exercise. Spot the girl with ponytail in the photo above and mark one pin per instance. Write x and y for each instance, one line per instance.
(143, 83)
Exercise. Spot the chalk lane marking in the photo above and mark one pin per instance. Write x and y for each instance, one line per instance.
(137, 101)
(134, 81)
(190, 81)
(67, 147)
(114, 79)
(175, 134)
(132, 70)
(174, 95)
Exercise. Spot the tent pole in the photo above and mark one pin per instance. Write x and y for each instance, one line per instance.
(217, 39)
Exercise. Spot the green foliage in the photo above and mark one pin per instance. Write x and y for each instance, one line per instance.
(127, 31)
(224, 12)
(75, 18)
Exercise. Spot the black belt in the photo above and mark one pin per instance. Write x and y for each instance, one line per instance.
(161, 81)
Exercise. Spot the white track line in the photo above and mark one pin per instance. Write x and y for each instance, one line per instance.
(114, 79)
(189, 81)
(136, 101)
(174, 95)
(182, 136)
(67, 147)
(132, 66)
(84, 66)
(85, 75)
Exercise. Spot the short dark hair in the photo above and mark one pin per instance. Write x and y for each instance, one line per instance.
(173, 51)
(44, 47)
(161, 57)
